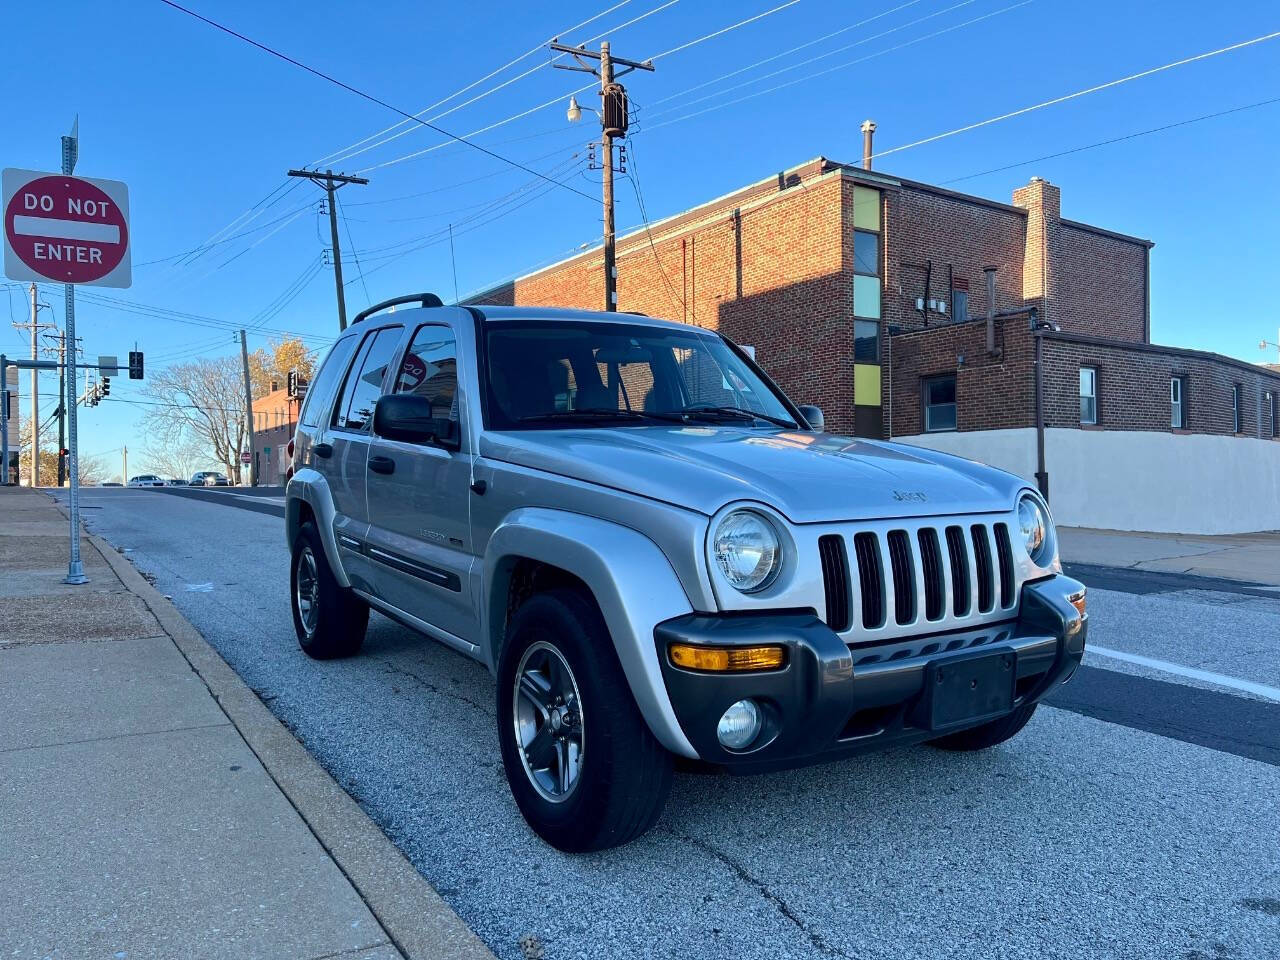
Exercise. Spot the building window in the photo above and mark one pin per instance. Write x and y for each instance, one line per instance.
(1236, 425)
(940, 403)
(866, 341)
(1178, 402)
(959, 300)
(866, 253)
(1088, 395)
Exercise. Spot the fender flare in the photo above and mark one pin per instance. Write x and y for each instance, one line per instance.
(310, 486)
(631, 580)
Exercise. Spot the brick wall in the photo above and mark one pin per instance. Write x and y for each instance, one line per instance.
(991, 392)
(1102, 285)
(961, 236)
(1133, 387)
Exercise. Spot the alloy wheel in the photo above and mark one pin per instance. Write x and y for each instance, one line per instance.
(548, 722)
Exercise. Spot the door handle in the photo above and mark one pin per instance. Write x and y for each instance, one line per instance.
(382, 465)
(323, 450)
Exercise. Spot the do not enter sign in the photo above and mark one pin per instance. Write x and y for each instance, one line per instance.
(66, 229)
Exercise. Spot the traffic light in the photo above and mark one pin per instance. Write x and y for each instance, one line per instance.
(293, 383)
(135, 364)
(104, 390)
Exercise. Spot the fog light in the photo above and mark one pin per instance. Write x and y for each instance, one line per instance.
(740, 725)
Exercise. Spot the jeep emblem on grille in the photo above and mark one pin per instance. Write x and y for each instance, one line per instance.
(910, 496)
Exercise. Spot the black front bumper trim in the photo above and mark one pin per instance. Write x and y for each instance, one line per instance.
(830, 700)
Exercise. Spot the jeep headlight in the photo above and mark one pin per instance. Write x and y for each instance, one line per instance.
(1033, 526)
(747, 550)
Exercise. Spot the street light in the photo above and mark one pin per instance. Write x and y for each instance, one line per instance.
(575, 112)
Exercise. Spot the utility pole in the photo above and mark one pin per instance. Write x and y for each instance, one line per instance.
(35, 327)
(62, 408)
(248, 404)
(331, 181)
(124, 454)
(613, 123)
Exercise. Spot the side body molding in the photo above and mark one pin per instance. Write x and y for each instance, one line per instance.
(311, 486)
(632, 582)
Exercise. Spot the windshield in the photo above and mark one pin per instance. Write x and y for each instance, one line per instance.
(545, 374)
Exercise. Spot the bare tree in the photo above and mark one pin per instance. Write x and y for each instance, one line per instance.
(178, 460)
(201, 402)
(91, 468)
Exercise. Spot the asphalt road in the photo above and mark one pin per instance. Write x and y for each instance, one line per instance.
(1138, 817)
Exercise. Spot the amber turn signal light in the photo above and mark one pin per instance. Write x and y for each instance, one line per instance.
(727, 659)
(1077, 600)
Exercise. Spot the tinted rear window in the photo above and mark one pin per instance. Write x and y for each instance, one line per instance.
(320, 392)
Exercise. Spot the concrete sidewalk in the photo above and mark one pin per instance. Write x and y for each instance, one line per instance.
(1249, 557)
(152, 806)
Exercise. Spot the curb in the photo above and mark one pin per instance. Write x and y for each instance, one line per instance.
(420, 924)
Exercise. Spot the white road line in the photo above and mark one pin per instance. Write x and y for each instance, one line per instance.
(66, 229)
(1178, 669)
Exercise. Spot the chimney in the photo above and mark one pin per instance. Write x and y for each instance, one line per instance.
(1043, 203)
(868, 134)
(275, 385)
(991, 309)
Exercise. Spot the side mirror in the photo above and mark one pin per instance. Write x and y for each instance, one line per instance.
(403, 416)
(817, 422)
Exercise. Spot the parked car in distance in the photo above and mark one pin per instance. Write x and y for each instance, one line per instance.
(110, 483)
(176, 482)
(146, 480)
(658, 554)
(209, 478)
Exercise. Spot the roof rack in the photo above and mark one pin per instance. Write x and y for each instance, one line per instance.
(424, 299)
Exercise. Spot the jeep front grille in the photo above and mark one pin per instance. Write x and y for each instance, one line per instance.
(913, 574)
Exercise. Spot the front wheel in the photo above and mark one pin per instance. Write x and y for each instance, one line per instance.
(329, 619)
(585, 770)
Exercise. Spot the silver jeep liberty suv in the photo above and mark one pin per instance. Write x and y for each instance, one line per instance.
(658, 555)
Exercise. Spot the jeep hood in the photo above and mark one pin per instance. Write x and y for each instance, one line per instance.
(807, 477)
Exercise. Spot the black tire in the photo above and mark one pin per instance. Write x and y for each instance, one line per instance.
(625, 774)
(988, 734)
(341, 617)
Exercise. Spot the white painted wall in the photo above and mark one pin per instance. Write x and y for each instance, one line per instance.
(1138, 480)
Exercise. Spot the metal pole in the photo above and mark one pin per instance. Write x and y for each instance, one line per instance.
(75, 569)
(606, 145)
(62, 407)
(35, 396)
(248, 399)
(1042, 475)
(4, 420)
(124, 453)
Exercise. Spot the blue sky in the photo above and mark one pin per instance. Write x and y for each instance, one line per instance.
(203, 127)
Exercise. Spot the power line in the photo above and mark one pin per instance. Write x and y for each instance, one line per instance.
(508, 82)
(590, 86)
(338, 156)
(1081, 93)
(684, 104)
(1121, 139)
(362, 94)
(634, 177)
(842, 66)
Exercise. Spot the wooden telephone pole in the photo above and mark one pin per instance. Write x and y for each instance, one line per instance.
(330, 181)
(613, 121)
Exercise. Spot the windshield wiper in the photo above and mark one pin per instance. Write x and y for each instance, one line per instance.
(737, 413)
(590, 414)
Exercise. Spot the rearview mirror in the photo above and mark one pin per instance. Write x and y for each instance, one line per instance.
(403, 416)
(817, 421)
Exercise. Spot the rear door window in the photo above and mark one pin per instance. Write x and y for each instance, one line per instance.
(430, 369)
(364, 382)
(320, 392)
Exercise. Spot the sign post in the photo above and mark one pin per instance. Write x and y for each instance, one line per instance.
(68, 230)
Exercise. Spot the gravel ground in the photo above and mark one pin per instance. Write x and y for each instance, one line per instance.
(1078, 839)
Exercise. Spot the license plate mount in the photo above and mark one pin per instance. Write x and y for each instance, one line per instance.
(969, 689)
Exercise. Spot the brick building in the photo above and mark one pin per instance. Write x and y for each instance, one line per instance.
(867, 294)
(275, 418)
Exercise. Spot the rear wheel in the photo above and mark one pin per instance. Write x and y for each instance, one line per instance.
(988, 734)
(584, 768)
(330, 619)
